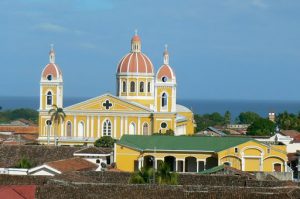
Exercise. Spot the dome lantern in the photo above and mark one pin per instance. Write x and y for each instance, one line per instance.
(136, 45)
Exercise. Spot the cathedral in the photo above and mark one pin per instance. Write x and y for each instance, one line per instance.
(145, 103)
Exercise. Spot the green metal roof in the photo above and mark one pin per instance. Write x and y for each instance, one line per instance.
(180, 143)
(213, 170)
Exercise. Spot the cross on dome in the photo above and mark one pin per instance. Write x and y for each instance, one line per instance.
(166, 55)
(52, 54)
(136, 43)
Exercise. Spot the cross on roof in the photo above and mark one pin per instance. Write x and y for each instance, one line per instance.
(107, 104)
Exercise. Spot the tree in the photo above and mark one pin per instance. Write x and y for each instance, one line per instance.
(105, 141)
(247, 117)
(288, 121)
(162, 176)
(207, 120)
(24, 163)
(57, 117)
(261, 127)
(165, 176)
(227, 117)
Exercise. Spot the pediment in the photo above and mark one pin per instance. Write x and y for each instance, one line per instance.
(107, 103)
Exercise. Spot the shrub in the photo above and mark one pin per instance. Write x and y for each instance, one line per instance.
(105, 141)
(24, 163)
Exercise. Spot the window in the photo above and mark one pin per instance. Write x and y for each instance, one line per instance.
(106, 131)
(164, 100)
(69, 129)
(227, 164)
(164, 79)
(49, 77)
(49, 98)
(145, 129)
(236, 150)
(124, 87)
(141, 87)
(48, 122)
(149, 87)
(80, 129)
(97, 161)
(132, 87)
(268, 150)
(132, 128)
(163, 125)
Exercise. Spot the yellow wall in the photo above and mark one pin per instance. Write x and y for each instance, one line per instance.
(251, 153)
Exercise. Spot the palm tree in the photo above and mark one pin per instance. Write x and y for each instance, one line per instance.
(57, 117)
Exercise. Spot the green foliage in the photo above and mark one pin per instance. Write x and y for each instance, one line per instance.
(169, 132)
(22, 113)
(24, 163)
(105, 141)
(142, 176)
(247, 117)
(162, 176)
(288, 121)
(261, 127)
(214, 119)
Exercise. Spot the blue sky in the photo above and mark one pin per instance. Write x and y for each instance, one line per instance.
(220, 49)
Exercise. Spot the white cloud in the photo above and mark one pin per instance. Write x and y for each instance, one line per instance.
(259, 3)
(87, 45)
(50, 27)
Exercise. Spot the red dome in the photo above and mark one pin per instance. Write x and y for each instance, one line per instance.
(165, 71)
(52, 69)
(135, 62)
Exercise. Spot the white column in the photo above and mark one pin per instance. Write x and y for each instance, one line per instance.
(87, 126)
(176, 166)
(75, 126)
(127, 86)
(62, 129)
(204, 165)
(121, 126)
(98, 127)
(197, 166)
(139, 126)
(155, 163)
(285, 167)
(126, 125)
(92, 128)
(183, 166)
(115, 127)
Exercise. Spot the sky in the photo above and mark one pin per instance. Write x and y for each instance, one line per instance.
(219, 49)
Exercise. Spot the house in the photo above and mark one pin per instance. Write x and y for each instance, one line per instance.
(63, 166)
(211, 131)
(96, 155)
(195, 154)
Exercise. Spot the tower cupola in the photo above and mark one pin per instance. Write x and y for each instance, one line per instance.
(136, 45)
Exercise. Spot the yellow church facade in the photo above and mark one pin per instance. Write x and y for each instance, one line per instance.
(145, 103)
(196, 154)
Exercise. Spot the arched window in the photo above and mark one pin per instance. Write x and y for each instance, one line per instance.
(106, 131)
(141, 87)
(69, 129)
(149, 87)
(49, 98)
(132, 87)
(164, 100)
(81, 129)
(124, 87)
(145, 129)
(132, 128)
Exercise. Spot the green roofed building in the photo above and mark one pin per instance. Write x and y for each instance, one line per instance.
(195, 154)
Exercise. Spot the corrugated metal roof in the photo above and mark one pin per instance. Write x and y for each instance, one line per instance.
(180, 143)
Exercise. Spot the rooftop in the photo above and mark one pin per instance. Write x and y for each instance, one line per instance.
(72, 164)
(181, 143)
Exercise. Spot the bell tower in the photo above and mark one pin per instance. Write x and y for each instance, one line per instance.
(51, 84)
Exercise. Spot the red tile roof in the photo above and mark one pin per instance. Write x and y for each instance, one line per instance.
(17, 192)
(72, 164)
